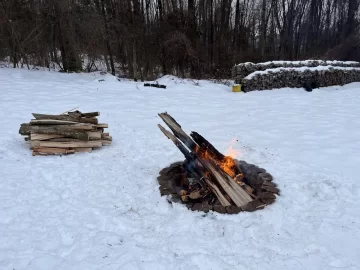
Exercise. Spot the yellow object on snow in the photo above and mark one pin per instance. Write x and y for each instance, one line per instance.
(236, 88)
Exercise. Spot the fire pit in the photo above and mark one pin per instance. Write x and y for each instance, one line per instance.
(208, 180)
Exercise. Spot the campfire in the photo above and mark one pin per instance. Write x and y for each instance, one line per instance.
(208, 180)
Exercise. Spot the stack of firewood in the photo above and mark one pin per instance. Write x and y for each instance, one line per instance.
(65, 133)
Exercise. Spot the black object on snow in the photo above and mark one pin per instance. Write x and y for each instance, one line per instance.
(155, 85)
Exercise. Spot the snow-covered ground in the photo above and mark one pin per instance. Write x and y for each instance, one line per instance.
(103, 210)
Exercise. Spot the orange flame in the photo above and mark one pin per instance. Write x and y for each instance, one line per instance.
(231, 152)
(228, 163)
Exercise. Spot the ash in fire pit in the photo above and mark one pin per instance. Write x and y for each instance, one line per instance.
(208, 180)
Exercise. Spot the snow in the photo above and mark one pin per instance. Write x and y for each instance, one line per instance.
(103, 210)
(300, 69)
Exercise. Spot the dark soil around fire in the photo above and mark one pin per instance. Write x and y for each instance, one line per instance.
(264, 189)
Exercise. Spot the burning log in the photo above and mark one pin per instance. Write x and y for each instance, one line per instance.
(222, 183)
(65, 133)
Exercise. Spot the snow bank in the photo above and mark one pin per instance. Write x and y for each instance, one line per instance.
(104, 210)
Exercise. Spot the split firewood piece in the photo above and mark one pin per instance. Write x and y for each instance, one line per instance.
(51, 151)
(26, 129)
(60, 120)
(102, 125)
(63, 140)
(206, 145)
(249, 190)
(178, 132)
(73, 117)
(73, 113)
(218, 193)
(90, 114)
(107, 138)
(238, 195)
(195, 195)
(183, 196)
(104, 142)
(92, 144)
(51, 122)
(44, 137)
(83, 150)
(105, 134)
(83, 136)
(94, 135)
(94, 121)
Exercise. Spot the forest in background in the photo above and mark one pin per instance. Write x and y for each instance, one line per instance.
(188, 38)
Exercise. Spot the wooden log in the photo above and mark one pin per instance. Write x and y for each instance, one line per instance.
(221, 197)
(90, 114)
(64, 140)
(54, 130)
(105, 142)
(26, 129)
(83, 150)
(92, 144)
(89, 120)
(83, 136)
(51, 151)
(107, 138)
(105, 134)
(102, 125)
(63, 120)
(74, 117)
(51, 122)
(238, 195)
(178, 132)
(44, 137)
(74, 113)
(206, 146)
(94, 135)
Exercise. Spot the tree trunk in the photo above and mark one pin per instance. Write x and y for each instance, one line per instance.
(70, 58)
(106, 37)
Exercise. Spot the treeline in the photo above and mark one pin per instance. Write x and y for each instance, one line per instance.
(198, 38)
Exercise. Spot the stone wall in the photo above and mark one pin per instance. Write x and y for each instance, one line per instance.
(298, 77)
(240, 71)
